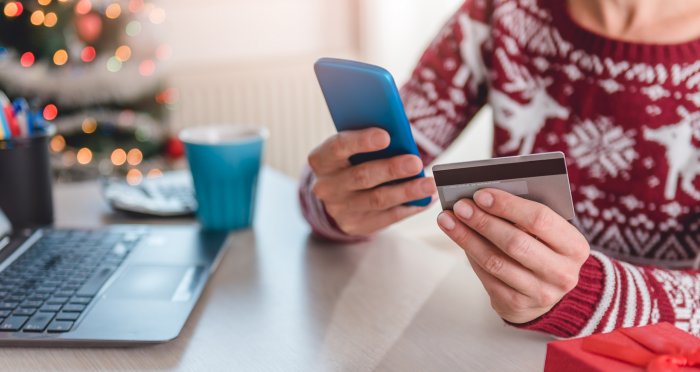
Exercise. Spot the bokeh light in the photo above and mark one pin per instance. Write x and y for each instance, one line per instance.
(44, 2)
(118, 157)
(167, 97)
(58, 143)
(37, 18)
(133, 28)
(134, 177)
(27, 59)
(88, 54)
(134, 157)
(157, 16)
(147, 67)
(113, 64)
(83, 7)
(89, 125)
(13, 9)
(50, 19)
(84, 156)
(123, 53)
(113, 11)
(50, 112)
(135, 5)
(60, 57)
(155, 173)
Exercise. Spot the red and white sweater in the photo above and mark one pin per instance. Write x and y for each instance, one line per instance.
(627, 116)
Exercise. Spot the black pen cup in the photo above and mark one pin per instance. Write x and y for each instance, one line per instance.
(26, 181)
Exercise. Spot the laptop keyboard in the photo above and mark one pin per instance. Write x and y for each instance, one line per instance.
(49, 286)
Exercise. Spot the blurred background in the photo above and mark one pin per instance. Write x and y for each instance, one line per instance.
(120, 78)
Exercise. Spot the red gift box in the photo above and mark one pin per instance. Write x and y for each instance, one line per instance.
(658, 347)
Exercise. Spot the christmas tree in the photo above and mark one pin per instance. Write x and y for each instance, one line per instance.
(92, 68)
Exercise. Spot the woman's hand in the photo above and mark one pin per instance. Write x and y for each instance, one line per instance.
(350, 193)
(526, 255)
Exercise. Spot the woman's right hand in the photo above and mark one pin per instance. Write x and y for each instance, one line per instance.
(350, 193)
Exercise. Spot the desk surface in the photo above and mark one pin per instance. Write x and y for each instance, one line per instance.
(281, 301)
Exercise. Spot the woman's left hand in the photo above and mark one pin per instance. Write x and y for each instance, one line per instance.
(526, 255)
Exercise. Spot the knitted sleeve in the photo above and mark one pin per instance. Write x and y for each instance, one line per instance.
(613, 294)
(446, 89)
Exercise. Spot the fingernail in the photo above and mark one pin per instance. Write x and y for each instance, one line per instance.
(446, 221)
(410, 166)
(463, 209)
(378, 139)
(484, 198)
(428, 187)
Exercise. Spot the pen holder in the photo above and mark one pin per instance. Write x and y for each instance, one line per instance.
(25, 180)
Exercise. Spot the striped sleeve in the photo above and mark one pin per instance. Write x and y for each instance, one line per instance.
(322, 224)
(613, 294)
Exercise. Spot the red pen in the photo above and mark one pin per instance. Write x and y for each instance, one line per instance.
(11, 120)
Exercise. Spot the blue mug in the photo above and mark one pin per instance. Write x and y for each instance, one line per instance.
(225, 162)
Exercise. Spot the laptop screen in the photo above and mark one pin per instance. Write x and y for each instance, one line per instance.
(5, 230)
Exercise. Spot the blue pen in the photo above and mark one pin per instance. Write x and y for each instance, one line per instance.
(21, 107)
(3, 119)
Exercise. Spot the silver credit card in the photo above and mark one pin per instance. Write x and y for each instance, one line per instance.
(539, 177)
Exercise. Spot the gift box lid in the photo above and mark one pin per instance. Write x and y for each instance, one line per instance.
(622, 350)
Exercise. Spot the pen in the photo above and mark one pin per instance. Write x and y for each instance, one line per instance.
(21, 107)
(4, 117)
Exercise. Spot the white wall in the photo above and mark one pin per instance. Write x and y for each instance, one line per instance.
(214, 31)
(394, 33)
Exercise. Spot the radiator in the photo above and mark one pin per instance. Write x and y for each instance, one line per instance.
(284, 97)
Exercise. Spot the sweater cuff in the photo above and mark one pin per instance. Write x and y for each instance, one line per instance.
(322, 224)
(570, 315)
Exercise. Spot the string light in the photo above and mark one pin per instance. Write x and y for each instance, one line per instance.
(50, 112)
(133, 28)
(58, 143)
(155, 173)
(44, 2)
(37, 18)
(147, 68)
(60, 57)
(118, 157)
(135, 5)
(167, 97)
(113, 64)
(88, 54)
(157, 16)
(89, 125)
(84, 156)
(83, 7)
(113, 11)
(134, 177)
(123, 53)
(13, 9)
(27, 59)
(50, 19)
(134, 157)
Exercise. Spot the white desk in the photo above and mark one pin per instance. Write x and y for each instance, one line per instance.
(281, 301)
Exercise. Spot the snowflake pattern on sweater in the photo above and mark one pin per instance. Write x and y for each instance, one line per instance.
(626, 115)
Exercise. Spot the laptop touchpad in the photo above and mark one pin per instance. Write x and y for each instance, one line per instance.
(153, 282)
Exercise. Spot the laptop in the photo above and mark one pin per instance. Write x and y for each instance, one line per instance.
(119, 285)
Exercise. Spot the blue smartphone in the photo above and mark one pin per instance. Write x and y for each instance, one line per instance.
(361, 96)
